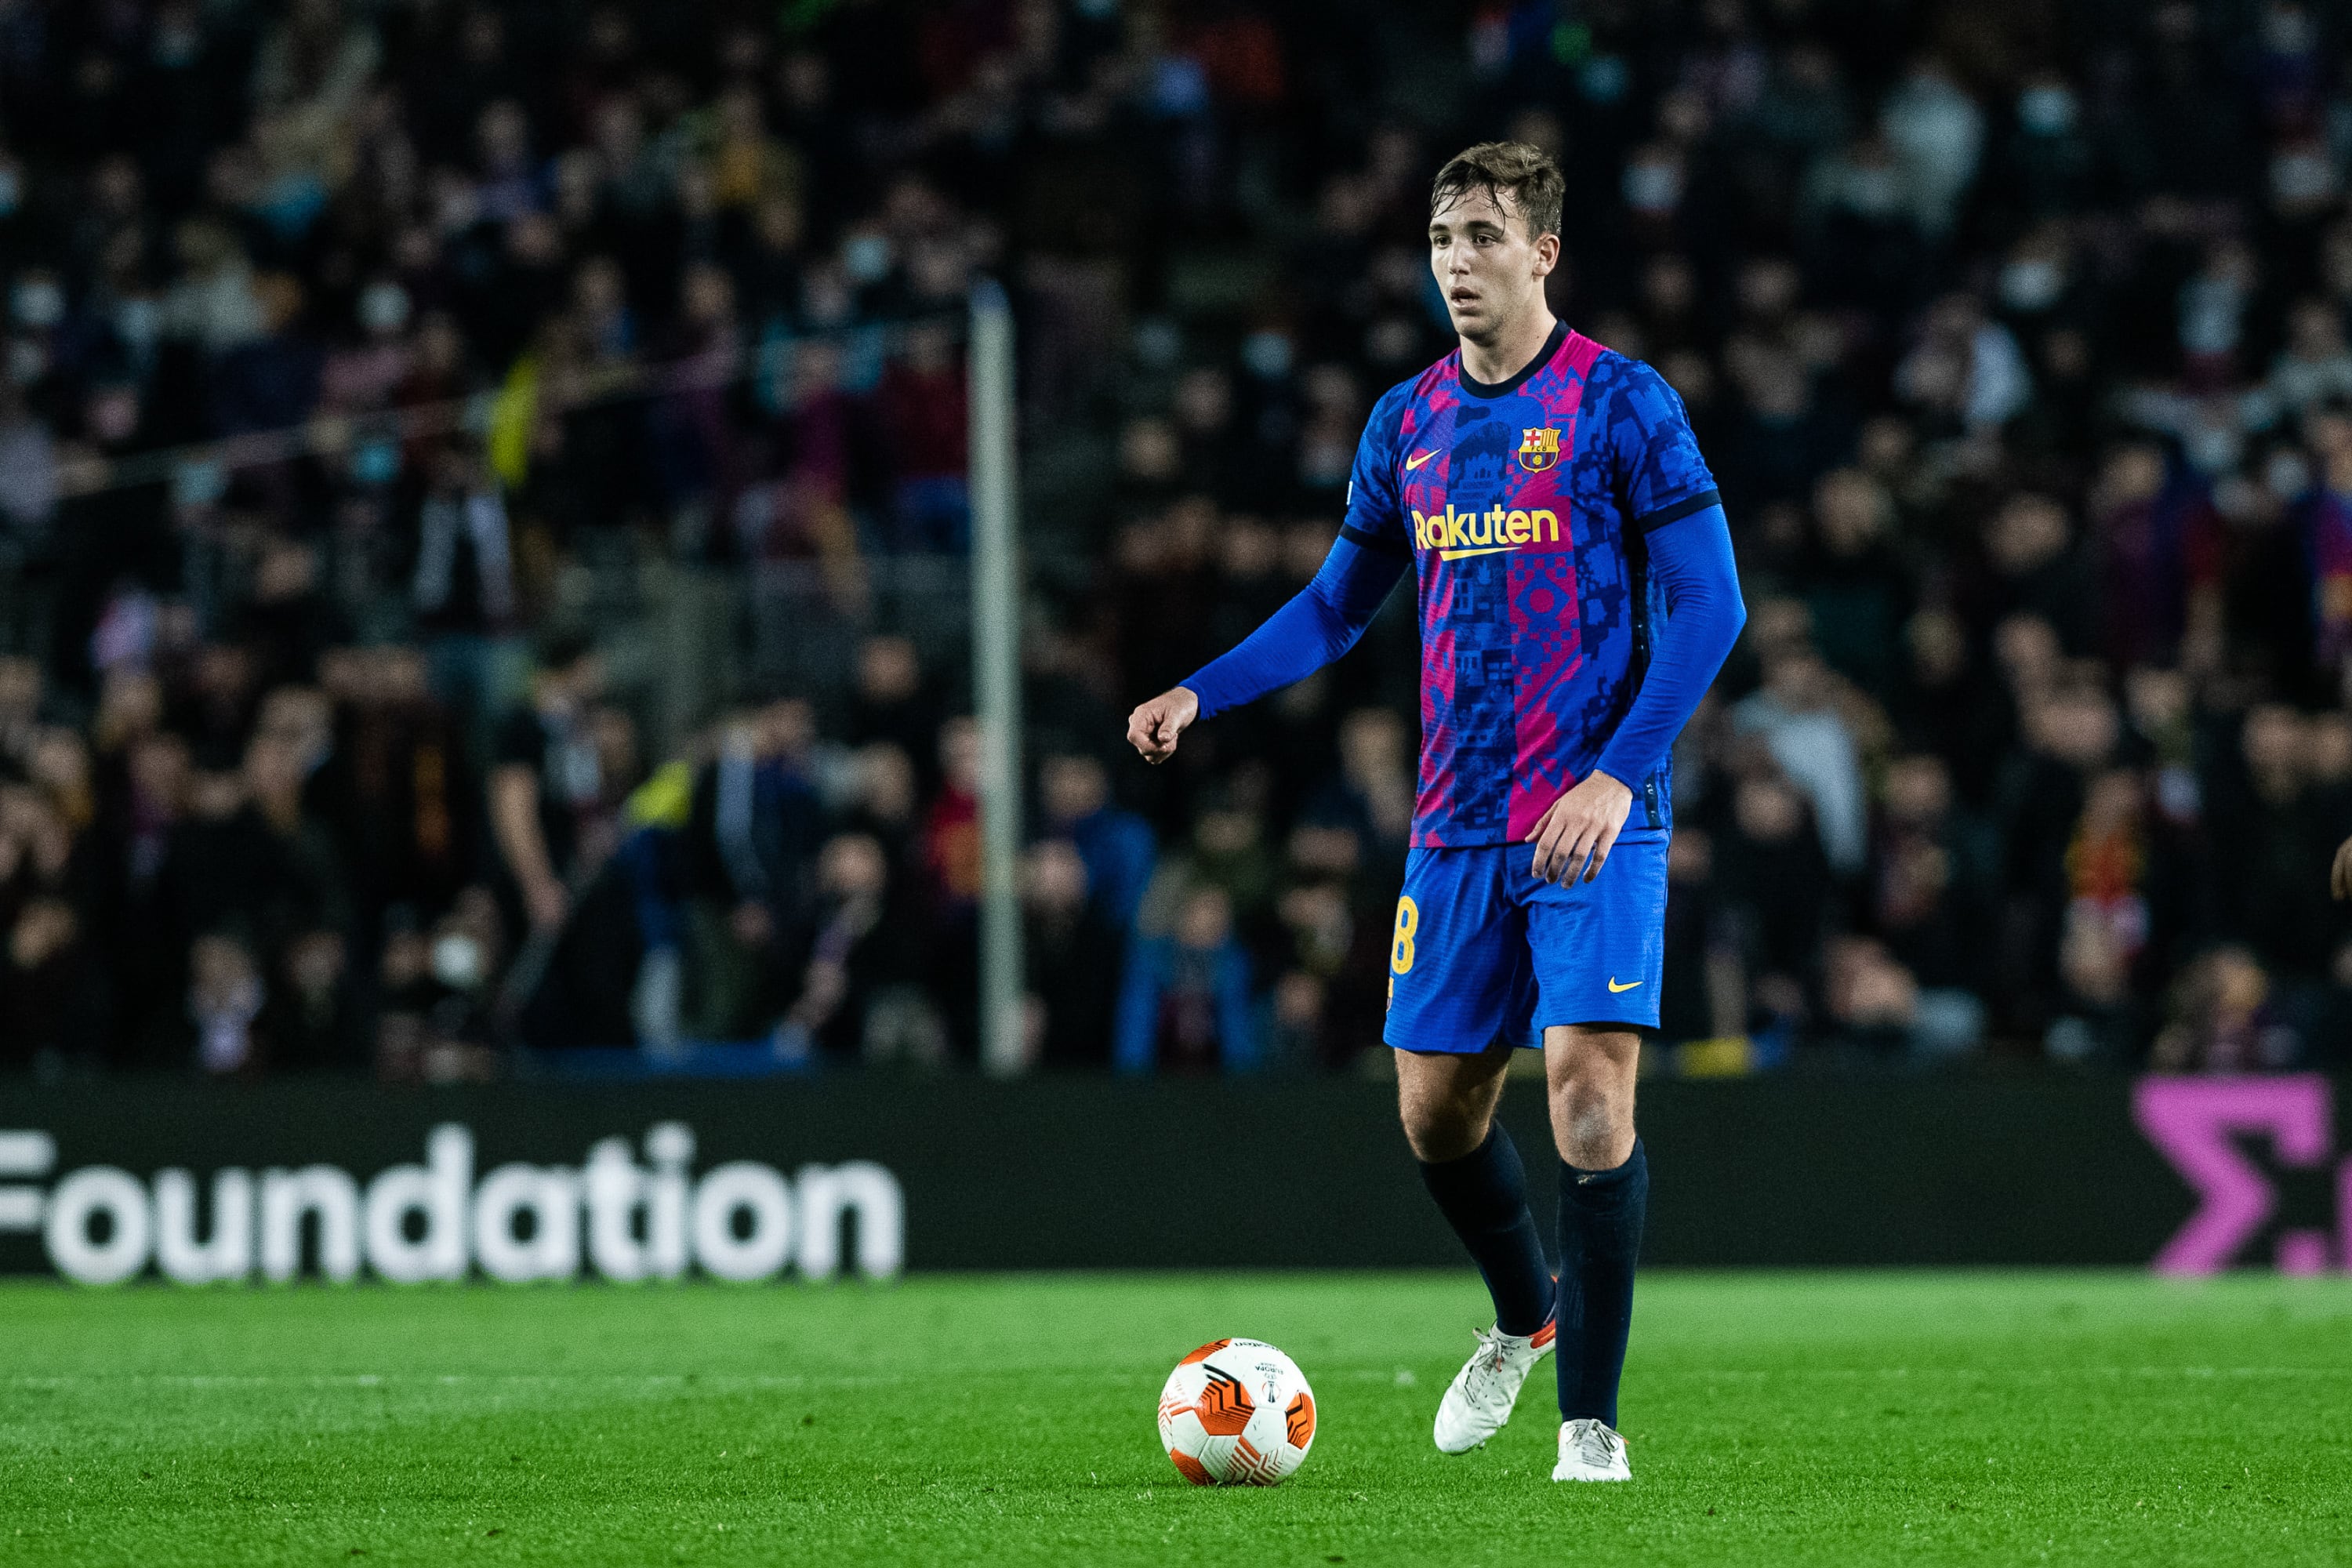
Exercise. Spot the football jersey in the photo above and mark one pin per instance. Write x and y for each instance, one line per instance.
(1523, 506)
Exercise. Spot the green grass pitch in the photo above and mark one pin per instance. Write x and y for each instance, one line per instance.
(1908, 1419)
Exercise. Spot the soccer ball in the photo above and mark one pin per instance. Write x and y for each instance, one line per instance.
(1236, 1413)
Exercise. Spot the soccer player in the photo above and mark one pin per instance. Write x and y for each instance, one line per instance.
(1577, 598)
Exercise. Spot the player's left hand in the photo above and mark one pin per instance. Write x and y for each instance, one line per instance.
(1576, 835)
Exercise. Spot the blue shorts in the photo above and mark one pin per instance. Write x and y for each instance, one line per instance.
(1482, 951)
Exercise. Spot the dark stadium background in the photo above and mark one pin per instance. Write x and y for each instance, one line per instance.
(503, 894)
(364, 360)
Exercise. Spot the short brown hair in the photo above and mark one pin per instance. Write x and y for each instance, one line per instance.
(1525, 172)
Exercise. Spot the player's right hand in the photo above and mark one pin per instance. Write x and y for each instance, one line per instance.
(1154, 726)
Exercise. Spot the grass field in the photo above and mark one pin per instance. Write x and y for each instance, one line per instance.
(1923, 1418)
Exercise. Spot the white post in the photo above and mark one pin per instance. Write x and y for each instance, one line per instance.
(996, 677)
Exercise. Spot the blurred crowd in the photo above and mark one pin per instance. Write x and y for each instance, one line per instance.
(348, 344)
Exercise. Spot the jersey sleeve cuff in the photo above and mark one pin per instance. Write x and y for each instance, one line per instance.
(1360, 538)
(1205, 692)
(1626, 773)
(1676, 511)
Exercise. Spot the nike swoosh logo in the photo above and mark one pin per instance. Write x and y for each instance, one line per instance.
(1627, 986)
(1412, 463)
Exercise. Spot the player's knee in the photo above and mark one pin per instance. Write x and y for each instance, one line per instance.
(1438, 1130)
(1591, 1116)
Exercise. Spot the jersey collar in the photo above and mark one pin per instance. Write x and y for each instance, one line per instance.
(1477, 388)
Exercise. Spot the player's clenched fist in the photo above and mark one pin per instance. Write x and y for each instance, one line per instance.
(1581, 825)
(1152, 728)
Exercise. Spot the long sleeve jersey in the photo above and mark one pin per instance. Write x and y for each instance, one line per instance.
(1575, 577)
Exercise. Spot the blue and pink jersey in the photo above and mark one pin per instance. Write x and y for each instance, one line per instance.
(1536, 515)
(1524, 506)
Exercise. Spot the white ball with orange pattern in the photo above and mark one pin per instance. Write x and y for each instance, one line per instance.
(1236, 1413)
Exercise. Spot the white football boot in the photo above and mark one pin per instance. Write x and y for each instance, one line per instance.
(1477, 1403)
(1589, 1451)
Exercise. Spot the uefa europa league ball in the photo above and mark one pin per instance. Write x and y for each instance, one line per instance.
(1236, 1413)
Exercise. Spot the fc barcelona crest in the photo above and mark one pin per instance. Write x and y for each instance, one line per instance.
(1538, 449)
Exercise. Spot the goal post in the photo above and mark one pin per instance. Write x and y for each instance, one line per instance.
(996, 675)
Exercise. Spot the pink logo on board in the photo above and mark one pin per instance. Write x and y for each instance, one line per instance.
(2196, 1122)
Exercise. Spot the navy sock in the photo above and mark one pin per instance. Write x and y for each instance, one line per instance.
(1599, 1238)
(1483, 1196)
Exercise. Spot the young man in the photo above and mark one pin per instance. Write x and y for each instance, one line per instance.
(1577, 597)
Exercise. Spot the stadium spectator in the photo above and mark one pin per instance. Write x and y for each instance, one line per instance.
(1776, 876)
(1114, 844)
(1929, 893)
(949, 851)
(545, 784)
(751, 877)
(1185, 1004)
(2224, 1019)
(854, 944)
(891, 705)
(464, 591)
(1074, 953)
(1706, 994)
(1795, 715)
